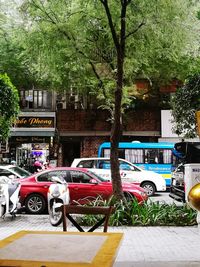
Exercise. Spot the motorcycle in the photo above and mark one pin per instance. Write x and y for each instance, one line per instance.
(58, 195)
(9, 197)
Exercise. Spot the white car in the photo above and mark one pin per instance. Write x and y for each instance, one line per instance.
(13, 172)
(149, 180)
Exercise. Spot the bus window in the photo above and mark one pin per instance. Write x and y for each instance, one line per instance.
(151, 156)
(158, 156)
(167, 156)
(106, 153)
(121, 153)
(134, 155)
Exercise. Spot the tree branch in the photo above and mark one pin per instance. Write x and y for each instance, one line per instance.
(134, 31)
(70, 38)
(111, 25)
(44, 11)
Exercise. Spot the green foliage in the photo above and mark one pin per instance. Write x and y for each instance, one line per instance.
(149, 214)
(9, 105)
(14, 59)
(69, 44)
(185, 103)
(59, 44)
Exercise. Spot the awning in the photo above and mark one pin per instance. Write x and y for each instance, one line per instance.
(32, 132)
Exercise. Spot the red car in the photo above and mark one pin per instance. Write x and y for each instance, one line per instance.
(83, 185)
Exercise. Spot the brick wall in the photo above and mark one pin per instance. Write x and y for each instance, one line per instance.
(97, 120)
(82, 120)
(142, 120)
(90, 145)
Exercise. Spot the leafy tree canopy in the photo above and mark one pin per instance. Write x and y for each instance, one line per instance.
(100, 46)
(70, 44)
(9, 105)
(15, 60)
(185, 103)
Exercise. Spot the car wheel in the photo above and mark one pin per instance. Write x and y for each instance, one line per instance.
(35, 204)
(149, 188)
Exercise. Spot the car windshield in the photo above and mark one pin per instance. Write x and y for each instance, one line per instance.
(97, 176)
(21, 172)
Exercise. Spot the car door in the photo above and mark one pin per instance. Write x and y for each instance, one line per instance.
(85, 188)
(129, 173)
(44, 180)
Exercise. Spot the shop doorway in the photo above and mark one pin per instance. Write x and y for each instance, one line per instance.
(71, 150)
(27, 154)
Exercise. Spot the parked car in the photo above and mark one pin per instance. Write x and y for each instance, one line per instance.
(148, 180)
(83, 186)
(13, 172)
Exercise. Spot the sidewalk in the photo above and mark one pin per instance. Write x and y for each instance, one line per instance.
(141, 246)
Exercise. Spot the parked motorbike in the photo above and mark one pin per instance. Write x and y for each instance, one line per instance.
(58, 195)
(9, 197)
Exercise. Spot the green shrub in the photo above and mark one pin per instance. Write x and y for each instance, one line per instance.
(149, 214)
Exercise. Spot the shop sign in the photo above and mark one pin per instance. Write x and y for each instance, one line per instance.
(35, 122)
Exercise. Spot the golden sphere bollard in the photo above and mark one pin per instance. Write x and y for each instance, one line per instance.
(194, 197)
(194, 200)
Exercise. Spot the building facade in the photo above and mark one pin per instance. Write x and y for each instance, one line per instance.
(82, 131)
(60, 128)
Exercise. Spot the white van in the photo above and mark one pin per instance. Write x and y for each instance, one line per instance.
(149, 180)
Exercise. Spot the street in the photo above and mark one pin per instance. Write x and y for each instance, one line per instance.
(164, 197)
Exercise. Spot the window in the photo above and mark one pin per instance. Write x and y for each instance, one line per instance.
(5, 173)
(86, 164)
(37, 99)
(167, 156)
(80, 177)
(68, 177)
(106, 153)
(161, 156)
(20, 172)
(103, 164)
(47, 177)
(134, 155)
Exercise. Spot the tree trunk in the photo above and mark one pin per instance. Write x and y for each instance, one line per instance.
(116, 130)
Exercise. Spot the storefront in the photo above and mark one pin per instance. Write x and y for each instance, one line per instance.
(32, 139)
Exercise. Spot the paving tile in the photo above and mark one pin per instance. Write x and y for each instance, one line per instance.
(141, 246)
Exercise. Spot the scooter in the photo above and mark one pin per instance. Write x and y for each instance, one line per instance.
(9, 197)
(58, 195)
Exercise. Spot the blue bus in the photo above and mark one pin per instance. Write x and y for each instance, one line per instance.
(155, 157)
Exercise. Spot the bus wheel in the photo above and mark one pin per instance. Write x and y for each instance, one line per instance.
(149, 188)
